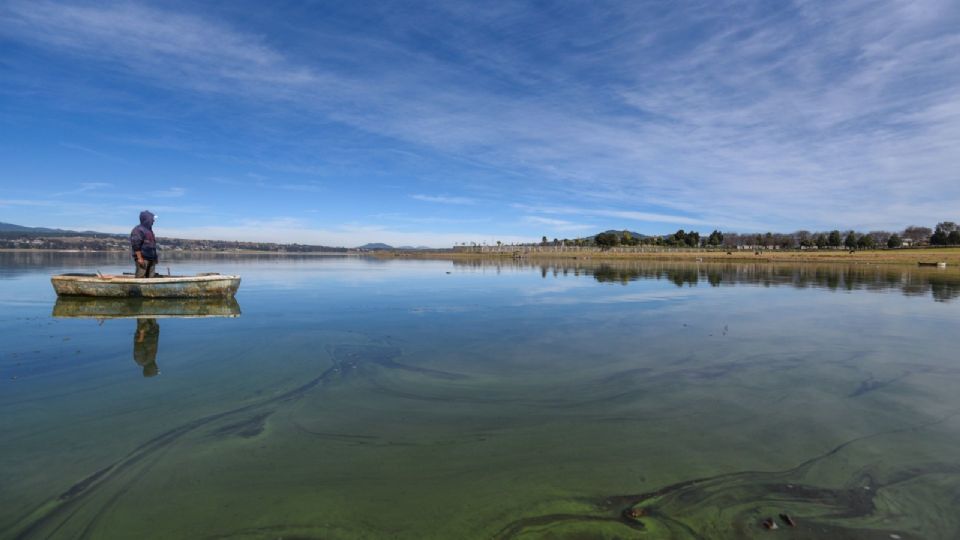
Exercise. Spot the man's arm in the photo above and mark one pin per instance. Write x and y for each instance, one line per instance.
(136, 241)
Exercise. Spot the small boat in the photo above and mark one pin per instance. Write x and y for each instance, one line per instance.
(937, 264)
(126, 286)
(86, 307)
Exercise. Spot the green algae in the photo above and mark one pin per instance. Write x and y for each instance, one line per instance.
(533, 418)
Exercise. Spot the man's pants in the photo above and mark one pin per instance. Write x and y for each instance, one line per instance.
(148, 269)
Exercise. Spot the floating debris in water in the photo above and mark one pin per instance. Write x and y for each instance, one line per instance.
(634, 513)
(788, 520)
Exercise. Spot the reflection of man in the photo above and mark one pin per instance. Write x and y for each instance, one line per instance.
(145, 343)
(144, 245)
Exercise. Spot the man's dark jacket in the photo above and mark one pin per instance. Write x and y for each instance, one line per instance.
(142, 238)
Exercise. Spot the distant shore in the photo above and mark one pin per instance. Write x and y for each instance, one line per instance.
(190, 252)
(901, 256)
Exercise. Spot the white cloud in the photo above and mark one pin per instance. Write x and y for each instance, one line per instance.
(558, 224)
(443, 199)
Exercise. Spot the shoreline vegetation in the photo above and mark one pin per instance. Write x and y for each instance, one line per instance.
(913, 245)
(915, 255)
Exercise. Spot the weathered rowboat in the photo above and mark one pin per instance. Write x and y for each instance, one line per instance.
(86, 307)
(202, 285)
(937, 264)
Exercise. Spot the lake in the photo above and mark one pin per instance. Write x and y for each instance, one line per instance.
(364, 398)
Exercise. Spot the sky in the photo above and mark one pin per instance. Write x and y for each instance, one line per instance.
(435, 123)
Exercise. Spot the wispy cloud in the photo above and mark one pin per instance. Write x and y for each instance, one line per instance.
(626, 215)
(443, 199)
(773, 115)
(168, 193)
(29, 202)
(85, 187)
(264, 182)
(91, 151)
(558, 224)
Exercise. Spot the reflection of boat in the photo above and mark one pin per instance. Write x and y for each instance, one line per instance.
(202, 285)
(145, 308)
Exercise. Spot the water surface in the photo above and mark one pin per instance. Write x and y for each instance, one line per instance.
(356, 398)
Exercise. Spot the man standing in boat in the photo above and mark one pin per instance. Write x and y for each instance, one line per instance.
(144, 245)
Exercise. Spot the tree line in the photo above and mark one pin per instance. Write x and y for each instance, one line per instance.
(946, 233)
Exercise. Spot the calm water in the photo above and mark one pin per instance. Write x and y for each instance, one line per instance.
(426, 399)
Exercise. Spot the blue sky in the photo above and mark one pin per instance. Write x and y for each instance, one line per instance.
(340, 123)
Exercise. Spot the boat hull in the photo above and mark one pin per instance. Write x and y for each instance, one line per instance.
(87, 307)
(131, 287)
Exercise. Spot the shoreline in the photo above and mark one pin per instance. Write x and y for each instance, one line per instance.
(902, 256)
(907, 256)
(187, 252)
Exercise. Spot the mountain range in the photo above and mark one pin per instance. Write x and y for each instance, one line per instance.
(20, 229)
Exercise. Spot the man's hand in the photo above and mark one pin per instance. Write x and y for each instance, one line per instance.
(140, 262)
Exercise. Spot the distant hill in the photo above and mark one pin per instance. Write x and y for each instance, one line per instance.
(616, 232)
(375, 246)
(20, 229)
(5, 227)
(43, 238)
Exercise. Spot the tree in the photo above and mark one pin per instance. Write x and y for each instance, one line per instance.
(894, 241)
(693, 239)
(941, 236)
(953, 238)
(865, 242)
(851, 240)
(543, 241)
(679, 238)
(715, 238)
(879, 237)
(821, 241)
(917, 235)
(834, 239)
(607, 240)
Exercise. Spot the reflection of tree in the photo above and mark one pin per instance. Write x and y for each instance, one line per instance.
(145, 343)
(941, 285)
(609, 274)
(944, 290)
